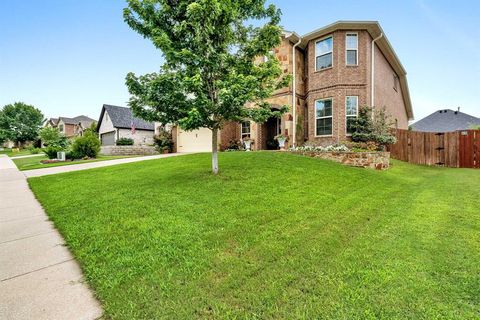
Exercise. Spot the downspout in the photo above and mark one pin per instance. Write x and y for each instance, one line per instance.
(294, 94)
(372, 83)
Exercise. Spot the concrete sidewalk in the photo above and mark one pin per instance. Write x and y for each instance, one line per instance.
(28, 156)
(39, 279)
(91, 165)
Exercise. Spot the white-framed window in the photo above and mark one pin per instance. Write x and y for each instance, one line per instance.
(60, 127)
(245, 131)
(324, 53)
(351, 112)
(351, 45)
(323, 117)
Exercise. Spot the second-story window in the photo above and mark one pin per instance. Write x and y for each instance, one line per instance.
(60, 127)
(324, 54)
(352, 49)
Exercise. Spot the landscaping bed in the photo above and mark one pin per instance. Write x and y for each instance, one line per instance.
(273, 236)
(379, 160)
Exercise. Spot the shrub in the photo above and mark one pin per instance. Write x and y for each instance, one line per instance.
(125, 142)
(272, 144)
(86, 146)
(234, 145)
(51, 151)
(53, 137)
(71, 155)
(375, 129)
(164, 141)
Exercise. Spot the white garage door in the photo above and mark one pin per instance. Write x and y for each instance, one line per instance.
(194, 141)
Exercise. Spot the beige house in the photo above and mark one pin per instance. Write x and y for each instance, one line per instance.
(336, 69)
(70, 127)
(118, 122)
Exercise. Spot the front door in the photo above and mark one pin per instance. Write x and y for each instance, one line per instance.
(273, 128)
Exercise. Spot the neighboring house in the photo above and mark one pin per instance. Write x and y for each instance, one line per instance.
(118, 122)
(446, 120)
(338, 68)
(52, 122)
(70, 127)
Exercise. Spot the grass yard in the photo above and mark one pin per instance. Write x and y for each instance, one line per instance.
(274, 236)
(10, 153)
(31, 163)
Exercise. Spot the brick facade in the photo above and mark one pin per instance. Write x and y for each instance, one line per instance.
(335, 83)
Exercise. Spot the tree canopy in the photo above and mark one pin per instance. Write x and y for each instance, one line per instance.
(20, 122)
(212, 68)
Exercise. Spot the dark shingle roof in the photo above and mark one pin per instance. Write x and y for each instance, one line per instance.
(77, 120)
(122, 118)
(445, 121)
(53, 121)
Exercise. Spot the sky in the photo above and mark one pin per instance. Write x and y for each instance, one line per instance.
(69, 57)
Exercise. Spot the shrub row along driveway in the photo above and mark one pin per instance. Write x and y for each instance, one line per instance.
(273, 236)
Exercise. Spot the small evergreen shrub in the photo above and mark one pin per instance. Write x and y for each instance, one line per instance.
(376, 129)
(86, 146)
(51, 151)
(125, 142)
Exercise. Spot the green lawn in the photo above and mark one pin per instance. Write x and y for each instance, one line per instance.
(34, 162)
(274, 236)
(22, 152)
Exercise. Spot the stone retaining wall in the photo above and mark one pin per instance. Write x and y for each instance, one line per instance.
(372, 160)
(128, 150)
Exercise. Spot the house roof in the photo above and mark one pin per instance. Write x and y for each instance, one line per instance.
(375, 30)
(53, 121)
(122, 117)
(446, 120)
(76, 120)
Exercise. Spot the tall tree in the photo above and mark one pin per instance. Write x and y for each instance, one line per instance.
(20, 122)
(212, 69)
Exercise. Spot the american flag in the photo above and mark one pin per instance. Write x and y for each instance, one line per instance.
(133, 127)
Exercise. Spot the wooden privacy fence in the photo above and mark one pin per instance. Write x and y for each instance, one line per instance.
(450, 149)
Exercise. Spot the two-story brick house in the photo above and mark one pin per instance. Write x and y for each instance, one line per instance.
(336, 69)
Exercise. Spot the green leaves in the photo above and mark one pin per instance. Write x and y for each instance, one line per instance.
(20, 122)
(210, 74)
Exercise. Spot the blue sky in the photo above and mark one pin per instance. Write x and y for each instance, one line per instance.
(68, 57)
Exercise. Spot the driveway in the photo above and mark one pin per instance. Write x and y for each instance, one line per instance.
(39, 278)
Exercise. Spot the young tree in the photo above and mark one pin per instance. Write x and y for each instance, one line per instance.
(374, 127)
(20, 122)
(212, 68)
(53, 137)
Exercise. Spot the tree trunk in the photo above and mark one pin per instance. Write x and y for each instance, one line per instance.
(215, 151)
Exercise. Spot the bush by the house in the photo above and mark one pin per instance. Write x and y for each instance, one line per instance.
(164, 141)
(86, 146)
(375, 129)
(234, 145)
(51, 151)
(125, 142)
